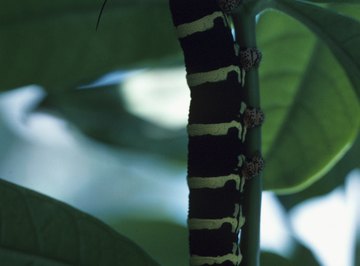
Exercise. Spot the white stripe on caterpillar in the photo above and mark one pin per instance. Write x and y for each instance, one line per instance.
(200, 25)
(213, 182)
(218, 129)
(202, 260)
(213, 224)
(242, 184)
(216, 75)
(237, 210)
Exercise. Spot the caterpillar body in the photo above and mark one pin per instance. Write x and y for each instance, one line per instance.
(218, 119)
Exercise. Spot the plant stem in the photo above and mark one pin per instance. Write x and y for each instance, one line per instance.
(245, 23)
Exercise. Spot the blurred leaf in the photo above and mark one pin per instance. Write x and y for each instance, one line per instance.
(269, 258)
(312, 111)
(357, 246)
(38, 230)
(7, 139)
(167, 242)
(54, 43)
(339, 32)
(100, 114)
(335, 1)
(352, 11)
(332, 180)
(303, 256)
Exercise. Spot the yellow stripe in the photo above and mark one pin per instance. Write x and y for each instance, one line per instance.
(243, 107)
(213, 182)
(241, 160)
(212, 76)
(200, 25)
(202, 260)
(218, 129)
(212, 224)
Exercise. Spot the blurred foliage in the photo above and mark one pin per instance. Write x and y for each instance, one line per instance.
(55, 44)
(334, 1)
(301, 255)
(334, 178)
(269, 258)
(100, 114)
(38, 230)
(357, 247)
(166, 241)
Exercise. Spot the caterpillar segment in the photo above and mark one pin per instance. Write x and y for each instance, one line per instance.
(215, 130)
(247, 118)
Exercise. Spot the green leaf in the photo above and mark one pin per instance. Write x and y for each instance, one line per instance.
(100, 114)
(339, 32)
(269, 258)
(38, 230)
(55, 44)
(287, 49)
(165, 240)
(333, 179)
(335, 1)
(302, 255)
(352, 11)
(311, 109)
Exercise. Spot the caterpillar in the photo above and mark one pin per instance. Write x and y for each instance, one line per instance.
(217, 125)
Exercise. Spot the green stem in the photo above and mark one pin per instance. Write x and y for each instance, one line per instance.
(245, 23)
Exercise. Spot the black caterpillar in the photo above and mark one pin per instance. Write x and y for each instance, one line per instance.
(218, 121)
